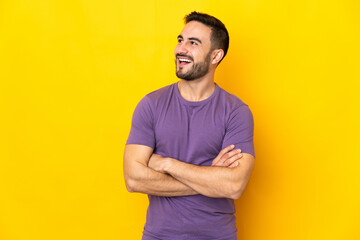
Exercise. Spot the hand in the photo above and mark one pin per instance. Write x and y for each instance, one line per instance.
(228, 157)
(157, 163)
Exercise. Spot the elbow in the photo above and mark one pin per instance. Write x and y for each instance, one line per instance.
(130, 185)
(238, 184)
(236, 191)
(133, 181)
(236, 195)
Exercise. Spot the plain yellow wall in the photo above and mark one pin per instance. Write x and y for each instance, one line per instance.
(72, 72)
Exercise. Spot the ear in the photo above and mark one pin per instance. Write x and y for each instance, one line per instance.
(217, 55)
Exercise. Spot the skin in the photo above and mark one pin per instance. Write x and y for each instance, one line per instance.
(150, 173)
(143, 177)
(202, 87)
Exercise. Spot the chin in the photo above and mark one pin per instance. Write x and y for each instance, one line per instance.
(185, 78)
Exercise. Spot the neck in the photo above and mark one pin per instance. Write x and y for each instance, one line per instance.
(197, 90)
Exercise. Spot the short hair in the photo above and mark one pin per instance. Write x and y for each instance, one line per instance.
(219, 34)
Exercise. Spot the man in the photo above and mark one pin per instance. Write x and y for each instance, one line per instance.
(185, 144)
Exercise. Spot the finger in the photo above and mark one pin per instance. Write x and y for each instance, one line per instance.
(225, 150)
(234, 164)
(229, 161)
(221, 153)
(227, 156)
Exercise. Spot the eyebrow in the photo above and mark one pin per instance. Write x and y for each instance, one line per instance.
(192, 38)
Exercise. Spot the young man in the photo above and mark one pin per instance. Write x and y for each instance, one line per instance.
(190, 146)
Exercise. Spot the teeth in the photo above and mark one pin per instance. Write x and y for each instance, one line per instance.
(184, 60)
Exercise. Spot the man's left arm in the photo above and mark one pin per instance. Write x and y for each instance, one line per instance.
(211, 181)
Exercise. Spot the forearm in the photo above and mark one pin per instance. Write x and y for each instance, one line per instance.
(210, 181)
(148, 181)
(140, 178)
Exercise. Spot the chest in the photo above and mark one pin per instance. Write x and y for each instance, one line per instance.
(192, 134)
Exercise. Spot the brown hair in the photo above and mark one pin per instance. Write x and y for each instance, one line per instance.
(219, 34)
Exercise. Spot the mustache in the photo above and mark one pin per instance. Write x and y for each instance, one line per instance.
(184, 55)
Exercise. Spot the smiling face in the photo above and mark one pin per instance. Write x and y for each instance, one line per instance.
(193, 52)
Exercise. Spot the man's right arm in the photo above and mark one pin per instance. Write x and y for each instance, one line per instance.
(140, 178)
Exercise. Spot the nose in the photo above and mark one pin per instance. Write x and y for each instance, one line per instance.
(181, 49)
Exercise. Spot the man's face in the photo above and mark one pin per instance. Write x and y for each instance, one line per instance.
(192, 54)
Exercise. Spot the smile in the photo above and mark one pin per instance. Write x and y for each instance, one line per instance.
(184, 60)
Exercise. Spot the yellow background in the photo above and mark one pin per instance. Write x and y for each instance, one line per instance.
(72, 73)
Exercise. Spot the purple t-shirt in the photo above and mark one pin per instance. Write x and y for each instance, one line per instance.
(195, 133)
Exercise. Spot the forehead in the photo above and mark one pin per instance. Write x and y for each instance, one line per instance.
(198, 30)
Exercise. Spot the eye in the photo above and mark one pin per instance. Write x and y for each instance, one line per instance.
(180, 40)
(193, 43)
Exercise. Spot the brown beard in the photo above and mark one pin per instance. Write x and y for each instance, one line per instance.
(198, 69)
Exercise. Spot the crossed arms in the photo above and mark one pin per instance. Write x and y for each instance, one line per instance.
(149, 173)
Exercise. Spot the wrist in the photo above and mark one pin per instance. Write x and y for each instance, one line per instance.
(167, 165)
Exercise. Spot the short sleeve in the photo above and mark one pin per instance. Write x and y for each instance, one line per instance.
(240, 130)
(142, 125)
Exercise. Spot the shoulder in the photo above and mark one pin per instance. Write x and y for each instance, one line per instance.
(160, 93)
(153, 101)
(155, 97)
(232, 102)
(239, 117)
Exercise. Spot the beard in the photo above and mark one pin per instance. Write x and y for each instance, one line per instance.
(198, 69)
